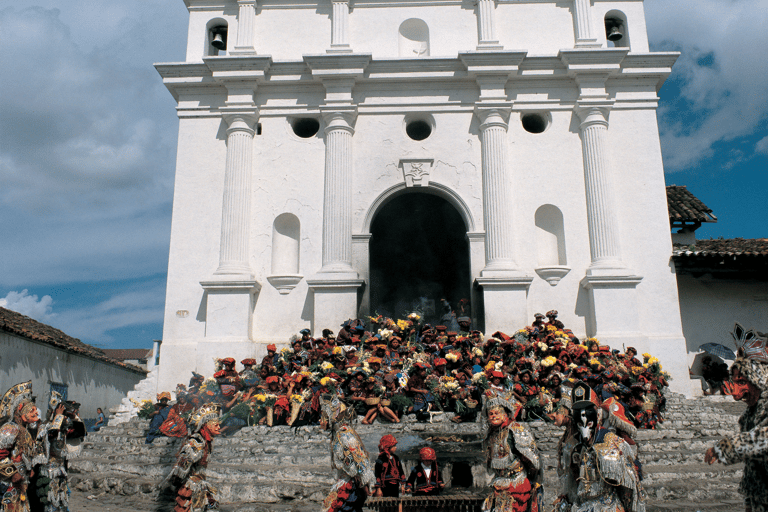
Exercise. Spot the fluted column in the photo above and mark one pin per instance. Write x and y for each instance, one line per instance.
(497, 197)
(340, 27)
(337, 211)
(236, 209)
(582, 20)
(603, 230)
(486, 25)
(246, 26)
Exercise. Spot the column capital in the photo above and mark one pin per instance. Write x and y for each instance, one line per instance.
(593, 112)
(493, 114)
(241, 121)
(248, 2)
(339, 118)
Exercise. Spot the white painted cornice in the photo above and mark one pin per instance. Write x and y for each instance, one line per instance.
(345, 65)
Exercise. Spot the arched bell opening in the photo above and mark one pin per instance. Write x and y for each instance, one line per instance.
(419, 254)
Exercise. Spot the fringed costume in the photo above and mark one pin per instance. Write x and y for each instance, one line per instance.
(59, 440)
(512, 455)
(194, 493)
(17, 447)
(349, 457)
(596, 467)
(750, 445)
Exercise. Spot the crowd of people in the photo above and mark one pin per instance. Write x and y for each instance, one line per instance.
(394, 368)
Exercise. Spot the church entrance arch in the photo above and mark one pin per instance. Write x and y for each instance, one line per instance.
(419, 255)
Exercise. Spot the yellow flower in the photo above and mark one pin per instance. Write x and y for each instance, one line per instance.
(403, 324)
(647, 355)
(490, 366)
(324, 381)
(414, 317)
(594, 361)
(549, 361)
(336, 350)
(261, 397)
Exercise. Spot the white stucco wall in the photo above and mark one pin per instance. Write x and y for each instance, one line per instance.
(92, 383)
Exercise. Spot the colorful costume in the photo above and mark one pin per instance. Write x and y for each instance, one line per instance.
(389, 469)
(596, 467)
(195, 494)
(348, 456)
(750, 445)
(424, 479)
(59, 440)
(513, 457)
(17, 448)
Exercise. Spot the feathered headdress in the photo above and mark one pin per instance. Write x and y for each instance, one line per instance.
(203, 415)
(751, 344)
(14, 399)
(494, 398)
(335, 411)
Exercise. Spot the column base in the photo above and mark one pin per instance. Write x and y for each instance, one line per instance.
(613, 315)
(335, 300)
(229, 307)
(505, 300)
(489, 46)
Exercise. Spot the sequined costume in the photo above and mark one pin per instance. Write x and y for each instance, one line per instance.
(59, 440)
(596, 468)
(17, 448)
(349, 457)
(194, 493)
(513, 457)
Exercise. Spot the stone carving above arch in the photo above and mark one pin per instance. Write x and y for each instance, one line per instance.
(432, 188)
(416, 171)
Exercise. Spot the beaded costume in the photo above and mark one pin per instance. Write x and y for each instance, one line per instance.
(195, 494)
(513, 457)
(349, 457)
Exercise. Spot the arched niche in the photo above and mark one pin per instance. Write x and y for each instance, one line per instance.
(286, 250)
(413, 38)
(616, 20)
(550, 244)
(214, 27)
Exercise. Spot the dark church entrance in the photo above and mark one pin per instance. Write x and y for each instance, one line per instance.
(419, 255)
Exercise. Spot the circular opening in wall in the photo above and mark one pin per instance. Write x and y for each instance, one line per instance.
(534, 123)
(305, 127)
(418, 129)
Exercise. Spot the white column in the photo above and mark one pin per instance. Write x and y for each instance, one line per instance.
(340, 27)
(337, 210)
(236, 209)
(486, 25)
(497, 196)
(246, 26)
(603, 230)
(582, 20)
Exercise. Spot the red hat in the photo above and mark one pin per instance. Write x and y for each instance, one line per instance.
(427, 453)
(387, 441)
(497, 374)
(271, 347)
(228, 361)
(440, 362)
(372, 360)
(272, 379)
(248, 362)
(617, 416)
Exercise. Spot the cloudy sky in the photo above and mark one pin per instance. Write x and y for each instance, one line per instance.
(87, 148)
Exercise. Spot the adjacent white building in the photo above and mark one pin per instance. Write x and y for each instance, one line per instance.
(340, 158)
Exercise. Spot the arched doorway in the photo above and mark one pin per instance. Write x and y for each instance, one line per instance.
(419, 254)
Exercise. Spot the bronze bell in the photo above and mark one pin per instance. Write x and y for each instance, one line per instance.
(219, 39)
(613, 29)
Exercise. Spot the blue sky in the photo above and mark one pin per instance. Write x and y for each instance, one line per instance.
(88, 134)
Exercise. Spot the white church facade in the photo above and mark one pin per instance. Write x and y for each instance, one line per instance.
(338, 158)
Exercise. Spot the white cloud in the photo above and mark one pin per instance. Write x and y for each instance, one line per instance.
(762, 146)
(29, 305)
(722, 72)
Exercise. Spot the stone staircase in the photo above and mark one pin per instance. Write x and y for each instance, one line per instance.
(282, 465)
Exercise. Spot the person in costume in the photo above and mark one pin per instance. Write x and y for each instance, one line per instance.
(17, 446)
(596, 467)
(425, 477)
(350, 459)
(59, 440)
(194, 493)
(388, 469)
(749, 383)
(175, 425)
(512, 455)
(158, 416)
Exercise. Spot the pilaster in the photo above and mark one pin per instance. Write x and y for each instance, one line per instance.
(486, 26)
(340, 27)
(584, 27)
(246, 28)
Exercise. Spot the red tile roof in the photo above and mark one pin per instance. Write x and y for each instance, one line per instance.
(16, 323)
(725, 247)
(685, 207)
(128, 353)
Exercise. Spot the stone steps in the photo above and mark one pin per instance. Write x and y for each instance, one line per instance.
(280, 464)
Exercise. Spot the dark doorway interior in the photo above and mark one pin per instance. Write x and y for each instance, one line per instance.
(461, 475)
(418, 249)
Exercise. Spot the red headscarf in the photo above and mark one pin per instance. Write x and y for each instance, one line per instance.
(387, 442)
(427, 453)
